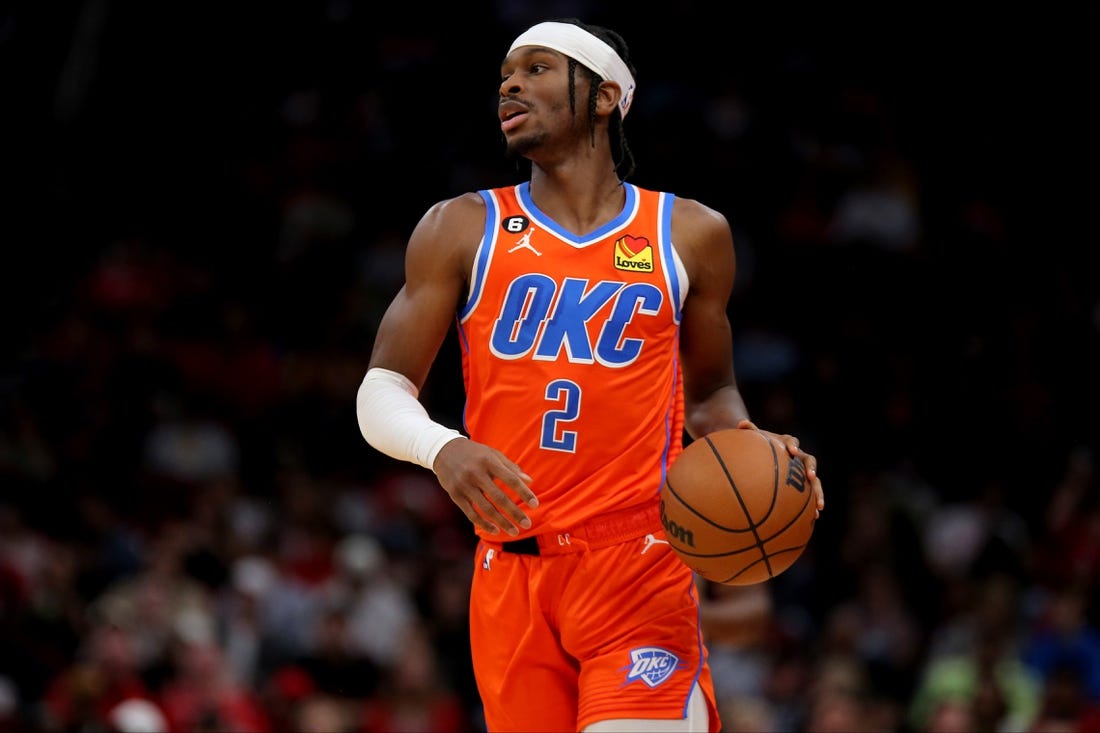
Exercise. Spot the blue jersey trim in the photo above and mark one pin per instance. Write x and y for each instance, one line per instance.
(484, 252)
(630, 208)
(664, 225)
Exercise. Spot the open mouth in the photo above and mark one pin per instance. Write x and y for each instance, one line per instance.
(511, 114)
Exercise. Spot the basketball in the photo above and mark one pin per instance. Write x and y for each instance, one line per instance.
(737, 508)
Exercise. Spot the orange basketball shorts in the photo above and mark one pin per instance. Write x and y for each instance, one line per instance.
(566, 631)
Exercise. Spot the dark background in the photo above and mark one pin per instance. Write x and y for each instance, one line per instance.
(205, 213)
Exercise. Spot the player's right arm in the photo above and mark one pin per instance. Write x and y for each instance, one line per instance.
(438, 262)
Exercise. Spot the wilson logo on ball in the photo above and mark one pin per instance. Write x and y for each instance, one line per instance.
(796, 474)
(675, 531)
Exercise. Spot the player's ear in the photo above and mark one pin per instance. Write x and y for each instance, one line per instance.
(607, 97)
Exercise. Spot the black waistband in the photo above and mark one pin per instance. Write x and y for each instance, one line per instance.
(526, 546)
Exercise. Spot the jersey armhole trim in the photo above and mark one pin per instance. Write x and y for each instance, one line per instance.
(676, 278)
(483, 254)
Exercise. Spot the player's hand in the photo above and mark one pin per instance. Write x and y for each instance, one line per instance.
(791, 444)
(469, 471)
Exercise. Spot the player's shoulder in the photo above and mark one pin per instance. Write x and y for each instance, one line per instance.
(464, 205)
(690, 212)
(697, 226)
(695, 213)
(458, 213)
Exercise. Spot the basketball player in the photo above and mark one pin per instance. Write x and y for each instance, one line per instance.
(591, 316)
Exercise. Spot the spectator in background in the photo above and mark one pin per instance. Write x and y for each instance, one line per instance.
(379, 609)
(1063, 647)
(106, 674)
(878, 628)
(1069, 553)
(413, 695)
(137, 716)
(200, 692)
(1001, 692)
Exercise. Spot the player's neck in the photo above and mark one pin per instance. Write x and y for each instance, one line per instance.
(578, 197)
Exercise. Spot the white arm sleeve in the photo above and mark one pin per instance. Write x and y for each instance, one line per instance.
(394, 422)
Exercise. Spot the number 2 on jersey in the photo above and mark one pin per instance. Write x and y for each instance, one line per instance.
(554, 437)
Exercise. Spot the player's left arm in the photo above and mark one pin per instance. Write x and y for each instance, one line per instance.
(712, 399)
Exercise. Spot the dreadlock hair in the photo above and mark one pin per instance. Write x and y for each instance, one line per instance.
(625, 164)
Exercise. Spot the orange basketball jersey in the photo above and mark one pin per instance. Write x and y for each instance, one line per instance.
(570, 353)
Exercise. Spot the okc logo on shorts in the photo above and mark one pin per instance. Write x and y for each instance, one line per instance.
(652, 665)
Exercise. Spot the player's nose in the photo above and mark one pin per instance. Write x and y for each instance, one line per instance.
(509, 87)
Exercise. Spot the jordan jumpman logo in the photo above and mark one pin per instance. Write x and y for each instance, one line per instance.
(525, 242)
(650, 541)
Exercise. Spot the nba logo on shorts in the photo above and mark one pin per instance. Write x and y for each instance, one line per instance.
(652, 665)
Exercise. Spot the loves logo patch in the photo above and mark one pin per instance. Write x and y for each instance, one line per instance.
(633, 254)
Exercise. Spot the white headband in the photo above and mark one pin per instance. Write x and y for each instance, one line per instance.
(579, 44)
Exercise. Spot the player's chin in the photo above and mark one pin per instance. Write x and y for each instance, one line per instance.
(519, 144)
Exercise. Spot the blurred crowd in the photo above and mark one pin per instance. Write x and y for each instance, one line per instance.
(194, 536)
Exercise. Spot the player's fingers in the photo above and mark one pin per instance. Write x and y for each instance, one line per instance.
(488, 516)
(815, 481)
(468, 495)
(466, 501)
(471, 511)
(783, 442)
(517, 479)
(507, 509)
(500, 508)
(746, 424)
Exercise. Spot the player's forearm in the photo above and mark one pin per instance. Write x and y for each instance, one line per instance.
(722, 409)
(394, 422)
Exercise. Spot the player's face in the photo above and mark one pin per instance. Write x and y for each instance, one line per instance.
(534, 98)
